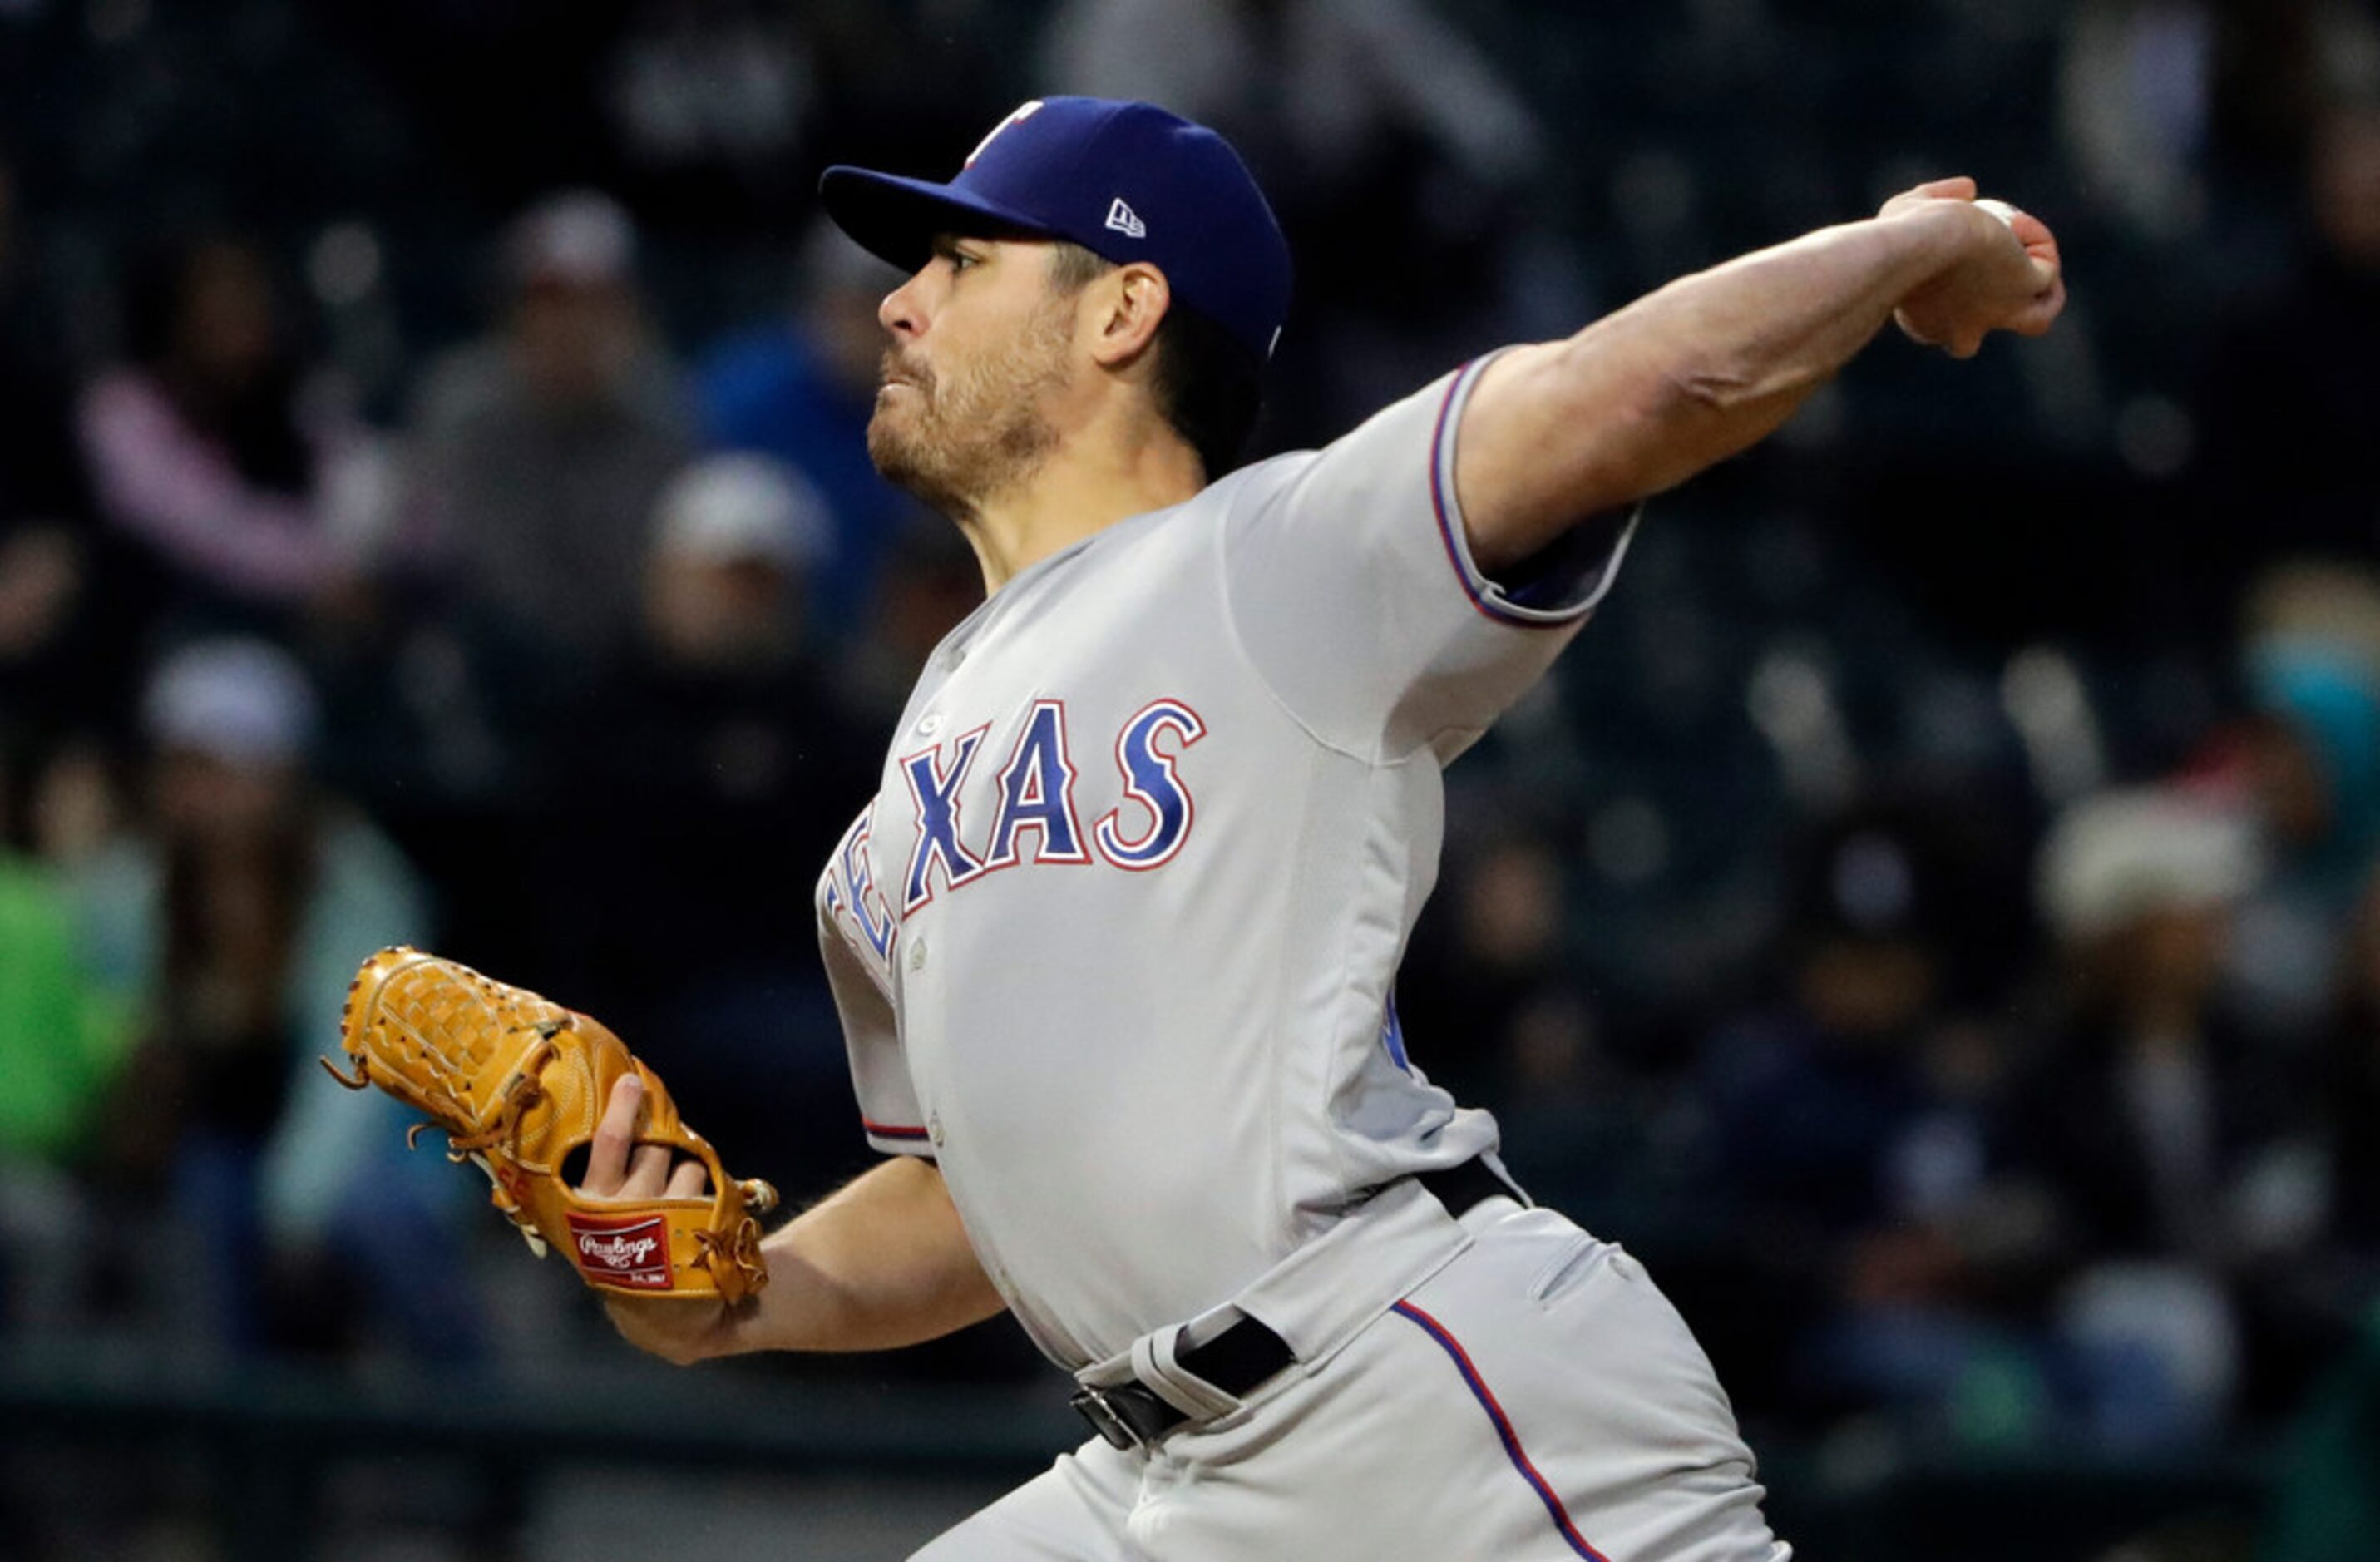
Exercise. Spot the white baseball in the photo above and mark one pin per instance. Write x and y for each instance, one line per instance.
(1999, 209)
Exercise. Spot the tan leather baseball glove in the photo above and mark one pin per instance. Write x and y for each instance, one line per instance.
(519, 1083)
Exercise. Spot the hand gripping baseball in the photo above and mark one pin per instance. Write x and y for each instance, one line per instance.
(2009, 277)
(519, 1084)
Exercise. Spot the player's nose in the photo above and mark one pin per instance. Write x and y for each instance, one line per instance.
(903, 312)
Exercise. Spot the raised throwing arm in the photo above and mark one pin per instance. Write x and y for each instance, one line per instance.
(1686, 376)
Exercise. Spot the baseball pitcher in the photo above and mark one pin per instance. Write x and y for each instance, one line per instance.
(1114, 941)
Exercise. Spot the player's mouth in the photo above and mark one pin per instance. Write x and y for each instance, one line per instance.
(892, 373)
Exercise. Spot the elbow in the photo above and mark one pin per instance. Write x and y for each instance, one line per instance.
(1677, 423)
(1706, 411)
(1708, 388)
(1648, 438)
(1648, 381)
(1692, 389)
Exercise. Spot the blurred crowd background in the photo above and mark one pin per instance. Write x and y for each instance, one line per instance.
(1931, 915)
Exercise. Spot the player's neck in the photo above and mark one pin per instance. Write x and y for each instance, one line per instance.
(1097, 477)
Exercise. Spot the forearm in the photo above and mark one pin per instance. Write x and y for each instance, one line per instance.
(883, 1263)
(1686, 376)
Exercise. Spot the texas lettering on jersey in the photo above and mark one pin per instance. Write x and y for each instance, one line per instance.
(1035, 814)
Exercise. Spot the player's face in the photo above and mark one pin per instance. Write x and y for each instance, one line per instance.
(983, 346)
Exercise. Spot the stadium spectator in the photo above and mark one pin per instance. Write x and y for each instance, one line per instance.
(1492, 1002)
(800, 389)
(2306, 762)
(2280, 68)
(60, 1035)
(2291, 386)
(538, 451)
(235, 919)
(54, 666)
(929, 581)
(2022, 1200)
(2176, 110)
(62, 1044)
(2135, 89)
(718, 768)
(214, 448)
(1491, 967)
(1855, 1124)
(2165, 1139)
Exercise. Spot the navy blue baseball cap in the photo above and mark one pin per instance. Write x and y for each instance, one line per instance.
(1127, 181)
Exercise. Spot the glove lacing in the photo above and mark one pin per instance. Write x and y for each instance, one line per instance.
(516, 1094)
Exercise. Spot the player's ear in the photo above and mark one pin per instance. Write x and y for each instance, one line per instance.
(1132, 301)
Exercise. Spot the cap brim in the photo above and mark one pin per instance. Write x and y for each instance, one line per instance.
(896, 219)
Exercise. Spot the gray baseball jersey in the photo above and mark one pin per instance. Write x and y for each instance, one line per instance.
(1116, 940)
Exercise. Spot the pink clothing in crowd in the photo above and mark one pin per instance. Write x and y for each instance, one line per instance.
(177, 490)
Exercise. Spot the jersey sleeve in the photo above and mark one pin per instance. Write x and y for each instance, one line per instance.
(1353, 591)
(856, 974)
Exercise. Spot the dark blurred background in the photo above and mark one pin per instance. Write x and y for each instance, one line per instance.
(1930, 916)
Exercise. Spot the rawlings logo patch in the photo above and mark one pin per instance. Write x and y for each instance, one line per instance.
(632, 1252)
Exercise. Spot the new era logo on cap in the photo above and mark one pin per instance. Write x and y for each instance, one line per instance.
(1125, 221)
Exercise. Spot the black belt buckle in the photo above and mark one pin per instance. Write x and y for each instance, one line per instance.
(1106, 1419)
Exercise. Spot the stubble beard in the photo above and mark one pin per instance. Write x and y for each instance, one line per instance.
(977, 431)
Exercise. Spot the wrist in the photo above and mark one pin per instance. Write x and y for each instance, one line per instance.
(1943, 234)
(736, 1330)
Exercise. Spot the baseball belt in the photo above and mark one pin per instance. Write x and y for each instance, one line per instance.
(1132, 1415)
